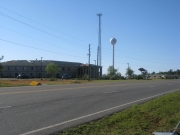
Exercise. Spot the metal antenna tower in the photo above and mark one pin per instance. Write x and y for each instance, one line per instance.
(99, 40)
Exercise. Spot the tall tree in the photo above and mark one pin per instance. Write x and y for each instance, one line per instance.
(129, 72)
(170, 71)
(52, 69)
(153, 73)
(110, 71)
(110, 75)
(178, 71)
(1, 67)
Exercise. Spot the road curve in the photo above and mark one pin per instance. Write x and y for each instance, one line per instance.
(43, 110)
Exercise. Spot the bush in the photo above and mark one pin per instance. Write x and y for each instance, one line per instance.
(113, 78)
(53, 79)
(76, 81)
(105, 77)
(139, 77)
(85, 77)
(123, 78)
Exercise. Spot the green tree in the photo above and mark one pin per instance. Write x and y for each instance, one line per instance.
(52, 69)
(153, 73)
(110, 75)
(129, 72)
(178, 72)
(1, 67)
(110, 71)
(170, 72)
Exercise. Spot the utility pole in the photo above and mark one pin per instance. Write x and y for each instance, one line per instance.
(41, 68)
(128, 69)
(89, 64)
(36, 68)
(95, 68)
(97, 63)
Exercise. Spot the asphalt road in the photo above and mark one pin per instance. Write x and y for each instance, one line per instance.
(43, 110)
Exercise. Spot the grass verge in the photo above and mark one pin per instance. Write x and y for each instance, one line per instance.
(161, 114)
(26, 82)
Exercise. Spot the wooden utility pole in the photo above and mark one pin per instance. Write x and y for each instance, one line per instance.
(89, 64)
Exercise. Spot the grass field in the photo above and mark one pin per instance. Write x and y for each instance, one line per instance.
(26, 82)
(161, 114)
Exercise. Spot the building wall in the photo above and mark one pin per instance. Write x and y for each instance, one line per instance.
(33, 68)
(156, 76)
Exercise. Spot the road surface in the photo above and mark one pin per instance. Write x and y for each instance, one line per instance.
(41, 110)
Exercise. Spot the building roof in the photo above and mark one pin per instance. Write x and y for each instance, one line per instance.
(37, 63)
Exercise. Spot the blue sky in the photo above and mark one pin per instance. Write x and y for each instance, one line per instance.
(147, 32)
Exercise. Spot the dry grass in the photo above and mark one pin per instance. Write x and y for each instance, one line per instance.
(26, 82)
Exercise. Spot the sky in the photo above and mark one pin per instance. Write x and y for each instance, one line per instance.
(147, 32)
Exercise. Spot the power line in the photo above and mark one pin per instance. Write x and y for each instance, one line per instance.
(135, 56)
(59, 53)
(42, 24)
(37, 28)
(62, 32)
(139, 65)
(38, 48)
(143, 58)
(68, 40)
(48, 27)
(150, 53)
(35, 38)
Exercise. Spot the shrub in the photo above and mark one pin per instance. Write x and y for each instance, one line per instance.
(105, 77)
(123, 78)
(53, 79)
(113, 77)
(139, 77)
(85, 77)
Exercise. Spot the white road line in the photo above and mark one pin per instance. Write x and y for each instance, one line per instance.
(65, 122)
(5, 107)
(111, 92)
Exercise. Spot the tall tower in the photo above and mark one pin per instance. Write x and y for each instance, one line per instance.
(99, 41)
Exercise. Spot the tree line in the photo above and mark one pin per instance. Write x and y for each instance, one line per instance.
(130, 74)
(170, 72)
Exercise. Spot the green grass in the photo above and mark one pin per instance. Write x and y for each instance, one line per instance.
(161, 114)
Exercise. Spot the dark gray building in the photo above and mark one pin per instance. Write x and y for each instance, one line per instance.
(33, 68)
